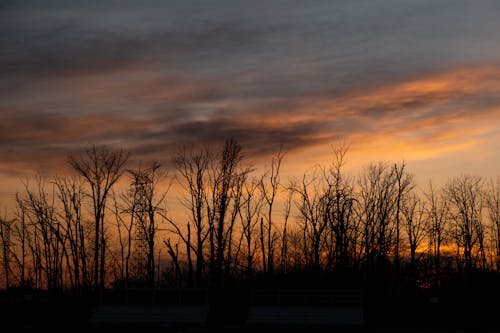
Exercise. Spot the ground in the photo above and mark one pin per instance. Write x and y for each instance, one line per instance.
(87, 328)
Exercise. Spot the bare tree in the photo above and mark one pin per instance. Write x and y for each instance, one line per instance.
(376, 207)
(269, 185)
(249, 217)
(173, 251)
(101, 167)
(437, 212)
(124, 237)
(48, 237)
(285, 262)
(230, 259)
(404, 184)
(340, 214)
(465, 196)
(313, 202)
(493, 207)
(70, 194)
(415, 225)
(6, 248)
(213, 182)
(193, 169)
(22, 235)
(296, 259)
(225, 179)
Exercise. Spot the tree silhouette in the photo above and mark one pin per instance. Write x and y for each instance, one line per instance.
(193, 170)
(437, 212)
(101, 167)
(269, 185)
(70, 194)
(493, 206)
(373, 231)
(465, 196)
(5, 239)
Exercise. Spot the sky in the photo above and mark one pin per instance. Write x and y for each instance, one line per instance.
(397, 80)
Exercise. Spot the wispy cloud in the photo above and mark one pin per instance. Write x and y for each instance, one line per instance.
(418, 80)
(421, 117)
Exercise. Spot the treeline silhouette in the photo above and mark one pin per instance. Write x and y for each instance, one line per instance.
(417, 255)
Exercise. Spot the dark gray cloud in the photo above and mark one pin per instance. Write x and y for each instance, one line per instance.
(150, 74)
(299, 48)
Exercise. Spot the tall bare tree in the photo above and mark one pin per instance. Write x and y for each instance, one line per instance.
(437, 212)
(21, 229)
(493, 207)
(213, 182)
(404, 184)
(285, 262)
(269, 185)
(249, 217)
(340, 214)
(466, 204)
(101, 167)
(48, 239)
(226, 174)
(314, 203)
(193, 169)
(70, 195)
(6, 248)
(376, 206)
(415, 224)
(125, 219)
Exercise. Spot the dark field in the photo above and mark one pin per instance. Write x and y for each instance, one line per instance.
(84, 328)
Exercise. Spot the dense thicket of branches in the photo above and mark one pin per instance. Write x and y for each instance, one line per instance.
(82, 233)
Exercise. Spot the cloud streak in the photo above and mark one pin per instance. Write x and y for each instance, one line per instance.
(419, 80)
(431, 113)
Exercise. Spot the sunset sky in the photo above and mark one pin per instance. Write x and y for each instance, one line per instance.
(399, 80)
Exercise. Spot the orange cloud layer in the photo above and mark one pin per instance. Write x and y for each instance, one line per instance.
(421, 118)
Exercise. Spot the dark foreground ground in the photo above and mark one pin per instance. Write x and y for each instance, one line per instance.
(85, 328)
(458, 312)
